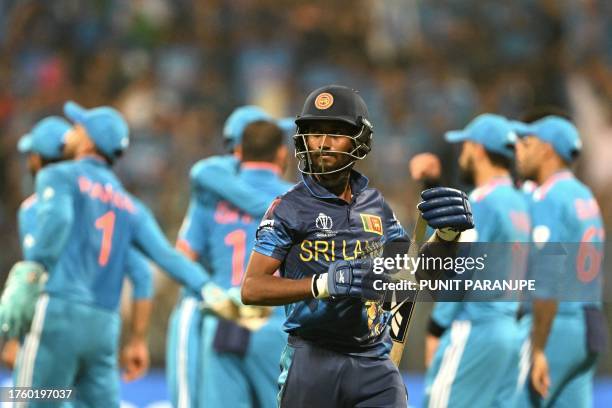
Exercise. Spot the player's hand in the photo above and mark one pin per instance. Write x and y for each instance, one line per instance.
(217, 301)
(447, 210)
(425, 166)
(354, 278)
(9, 353)
(135, 359)
(18, 302)
(540, 376)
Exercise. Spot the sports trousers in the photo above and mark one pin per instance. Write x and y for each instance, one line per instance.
(71, 345)
(319, 378)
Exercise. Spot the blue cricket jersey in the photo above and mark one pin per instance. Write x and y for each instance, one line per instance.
(218, 175)
(501, 216)
(86, 226)
(307, 229)
(137, 268)
(563, 210)
(221, 234)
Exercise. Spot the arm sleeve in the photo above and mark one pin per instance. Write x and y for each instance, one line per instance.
(149, 239)
(54, 216)
(21, 227)
(547, 258)
(275, 234)
(195, 229)
(392, 227)
(219, 175)
(140, 274)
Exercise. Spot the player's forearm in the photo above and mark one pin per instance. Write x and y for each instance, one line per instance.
(270, 290)
(141, 317)
(544, 312)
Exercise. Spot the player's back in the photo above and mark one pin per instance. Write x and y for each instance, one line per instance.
(90, 268)
(501, 221)
(232, 232)
(565, 211)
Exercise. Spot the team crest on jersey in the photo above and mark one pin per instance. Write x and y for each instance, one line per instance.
(324, 101)
(372, 223)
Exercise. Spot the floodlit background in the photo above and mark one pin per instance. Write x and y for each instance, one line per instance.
(176, 69)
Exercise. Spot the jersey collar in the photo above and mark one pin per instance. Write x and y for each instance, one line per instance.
(481, 192)
(358, 181)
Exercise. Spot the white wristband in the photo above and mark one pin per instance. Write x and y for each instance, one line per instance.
(318, 286)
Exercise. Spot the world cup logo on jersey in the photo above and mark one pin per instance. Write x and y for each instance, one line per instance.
(324, 222)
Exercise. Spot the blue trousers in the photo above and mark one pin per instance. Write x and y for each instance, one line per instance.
(71, 345)
(232, 380)
(570, 364)
(183, 357)
(475, 365)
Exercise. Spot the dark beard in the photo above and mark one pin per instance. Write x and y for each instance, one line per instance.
(467, 175)
(336, 182)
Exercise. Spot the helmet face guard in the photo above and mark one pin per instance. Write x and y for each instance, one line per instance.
(361, 147)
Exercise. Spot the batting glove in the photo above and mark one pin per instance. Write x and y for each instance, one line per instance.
(447, 210)
(354, 278)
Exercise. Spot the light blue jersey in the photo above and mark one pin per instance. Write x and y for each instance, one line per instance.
(461, 373)
(563, 210)
(86, 230)
(86, 224)
(221, 234)
(219, 192)
(500, 216)
(226, 235)
(137, 269)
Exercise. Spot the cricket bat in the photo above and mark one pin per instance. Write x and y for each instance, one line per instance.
(401, 312)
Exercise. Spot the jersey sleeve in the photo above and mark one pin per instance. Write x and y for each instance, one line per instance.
(219, 175)
(22, 222)
(275, 234)
(149, 239)
(140, 274)
(394, 231)
(547, 258)
(195, 229)
(54, 215)
(484, 221)
(444, 313)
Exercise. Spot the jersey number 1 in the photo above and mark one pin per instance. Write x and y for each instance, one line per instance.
(237, 240)
(106, 223)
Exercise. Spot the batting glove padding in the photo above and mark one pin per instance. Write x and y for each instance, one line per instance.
(446, 209)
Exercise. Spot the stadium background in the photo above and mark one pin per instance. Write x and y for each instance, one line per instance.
(176, 69)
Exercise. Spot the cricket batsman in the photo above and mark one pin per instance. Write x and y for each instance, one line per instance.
(86, 224)
(240, 353)
(467, 337)
(321, 235)
(211, 180)
(562, 339)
